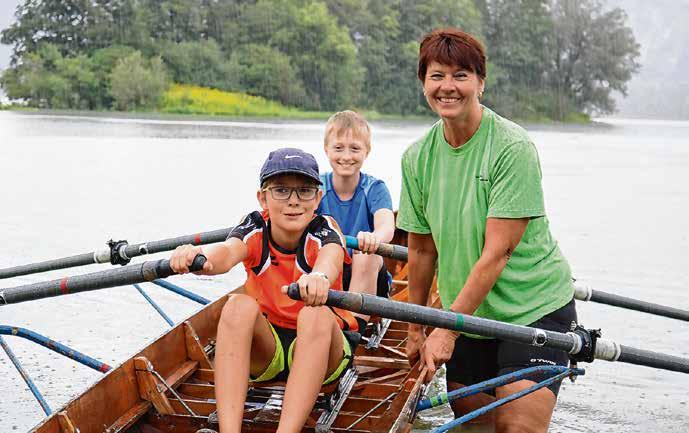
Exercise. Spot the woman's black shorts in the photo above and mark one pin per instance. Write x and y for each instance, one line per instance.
(475, 360)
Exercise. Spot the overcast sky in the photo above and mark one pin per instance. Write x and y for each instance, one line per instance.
(7, 8)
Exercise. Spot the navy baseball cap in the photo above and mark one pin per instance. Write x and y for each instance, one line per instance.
(289, 160)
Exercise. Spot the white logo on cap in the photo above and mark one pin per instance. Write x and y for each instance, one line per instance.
(292, 156)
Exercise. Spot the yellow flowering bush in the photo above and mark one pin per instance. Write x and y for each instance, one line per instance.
(188, 99)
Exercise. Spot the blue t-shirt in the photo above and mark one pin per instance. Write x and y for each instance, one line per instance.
(356, 214)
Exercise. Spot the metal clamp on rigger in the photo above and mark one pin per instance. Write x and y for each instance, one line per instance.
(585, 350)
(118, 256)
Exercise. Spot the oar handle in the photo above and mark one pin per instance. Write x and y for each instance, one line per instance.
(197, 263)
(163, 269)
(397, 252)
(336, 298)
(293, 292)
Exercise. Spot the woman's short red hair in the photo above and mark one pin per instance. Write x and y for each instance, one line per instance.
(452, 47)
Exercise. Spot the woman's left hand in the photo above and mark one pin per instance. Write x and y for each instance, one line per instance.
(368, 242)
(437, 349)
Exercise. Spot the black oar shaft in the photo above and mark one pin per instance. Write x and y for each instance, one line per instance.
(632, 355)
(153, 247)
(585, 293)
(49, 265)
(402, 311)
(131, 274)
(117, 255)
(569, 342)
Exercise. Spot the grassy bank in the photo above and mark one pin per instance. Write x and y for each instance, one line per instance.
(193, 100)
(185, 99)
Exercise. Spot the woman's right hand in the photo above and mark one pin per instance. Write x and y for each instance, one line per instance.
(415, 339)
(183, 257)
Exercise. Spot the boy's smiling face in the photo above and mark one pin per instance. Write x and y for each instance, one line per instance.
(289, 216)
(346, 152)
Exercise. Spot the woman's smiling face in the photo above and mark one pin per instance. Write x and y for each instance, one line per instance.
(451, 91)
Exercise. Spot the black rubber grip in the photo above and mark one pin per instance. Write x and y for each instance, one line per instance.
(293, 291)
(198, 263)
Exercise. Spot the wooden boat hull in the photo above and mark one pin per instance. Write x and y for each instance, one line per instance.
(132, 398)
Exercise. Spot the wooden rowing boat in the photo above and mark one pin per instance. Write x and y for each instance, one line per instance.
(169, 386)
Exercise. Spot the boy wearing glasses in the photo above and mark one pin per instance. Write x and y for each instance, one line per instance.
(263, 334)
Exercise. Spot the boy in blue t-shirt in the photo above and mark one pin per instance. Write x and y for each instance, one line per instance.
(360, 203)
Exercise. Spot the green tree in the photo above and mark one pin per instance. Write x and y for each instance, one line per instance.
(594, 54)
(103, 61)
(81, 91)
(519, 37)
(265, 71)
(46, 79)
(320, 50)
(138, 83)
(72, 26)
(176, 20)
(374, 27)
(202, 63)
(35, 80)
(387, 34)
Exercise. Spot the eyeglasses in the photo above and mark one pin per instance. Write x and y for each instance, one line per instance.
(285, 193)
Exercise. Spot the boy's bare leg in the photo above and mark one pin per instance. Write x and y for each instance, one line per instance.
(318, 352)
(245, 345)
(365, 268)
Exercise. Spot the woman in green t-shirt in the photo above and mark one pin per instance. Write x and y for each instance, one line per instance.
(472, 203)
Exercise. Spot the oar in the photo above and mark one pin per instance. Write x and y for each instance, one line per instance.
(131, 274)
(397, 252)
(583, 345)
(586, 293)
(117, 253)
(121, 253)
(581, 293)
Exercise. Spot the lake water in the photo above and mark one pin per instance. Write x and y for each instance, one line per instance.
(617, 196)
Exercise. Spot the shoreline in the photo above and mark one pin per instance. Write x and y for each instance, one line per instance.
(308, 117)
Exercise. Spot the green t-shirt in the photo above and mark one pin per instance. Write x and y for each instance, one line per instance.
(451, 192)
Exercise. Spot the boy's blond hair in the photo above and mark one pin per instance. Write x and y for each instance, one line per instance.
(348, 120)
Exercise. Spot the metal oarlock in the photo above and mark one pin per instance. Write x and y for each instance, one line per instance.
(118, 253)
